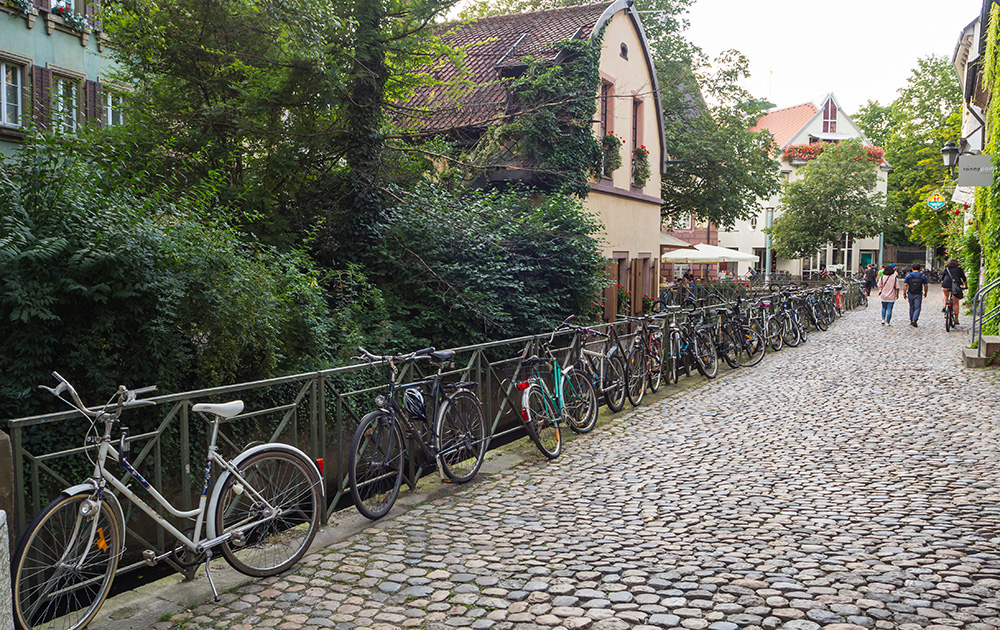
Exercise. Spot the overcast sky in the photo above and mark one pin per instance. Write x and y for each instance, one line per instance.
(800, 50)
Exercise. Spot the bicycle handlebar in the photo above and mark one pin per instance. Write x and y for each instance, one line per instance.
(126, 397)
(423, 353)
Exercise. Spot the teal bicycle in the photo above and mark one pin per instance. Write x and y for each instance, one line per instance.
(572, 398)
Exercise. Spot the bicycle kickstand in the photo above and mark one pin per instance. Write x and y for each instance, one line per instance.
(208, 573)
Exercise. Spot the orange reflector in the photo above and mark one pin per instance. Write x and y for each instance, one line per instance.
(101, 543)
(319, 463)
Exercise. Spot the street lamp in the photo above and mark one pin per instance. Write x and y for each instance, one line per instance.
(949, 153)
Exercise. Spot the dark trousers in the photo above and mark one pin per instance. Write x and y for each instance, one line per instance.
(916, 300)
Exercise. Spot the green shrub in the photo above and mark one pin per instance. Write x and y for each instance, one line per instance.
(462, 269)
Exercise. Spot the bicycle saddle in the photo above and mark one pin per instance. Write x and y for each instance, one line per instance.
(442, 356)
(533, 360)
(223, 410)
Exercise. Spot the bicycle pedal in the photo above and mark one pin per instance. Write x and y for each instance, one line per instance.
(149, 557)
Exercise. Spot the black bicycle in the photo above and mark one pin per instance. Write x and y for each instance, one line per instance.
(456, 442)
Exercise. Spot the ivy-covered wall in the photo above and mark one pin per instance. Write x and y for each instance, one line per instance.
(988, 199)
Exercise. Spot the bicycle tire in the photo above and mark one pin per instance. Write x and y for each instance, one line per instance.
(375, 465)
(817, 318)
(635, 376)
(613, 382)
(41, 555)
(658, 306)
(774, 334)
(705, 356)
(461, 436)
(291, 484)
(580, 401)
(675, 357)
(541, 421)
(754, 346)
(732, 350)
(654, 362)
(790, 332)
(948, 318)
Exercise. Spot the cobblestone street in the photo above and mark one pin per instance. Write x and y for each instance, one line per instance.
(852, 482)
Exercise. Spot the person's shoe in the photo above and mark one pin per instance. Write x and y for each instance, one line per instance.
(956, 321)
(888, 324)
(915, 323)
(942, 309)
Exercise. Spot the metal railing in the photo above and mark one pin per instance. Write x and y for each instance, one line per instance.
(318, 412)
(980, 318)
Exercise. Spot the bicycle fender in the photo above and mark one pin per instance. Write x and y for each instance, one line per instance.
(89, 487)
(221, 482)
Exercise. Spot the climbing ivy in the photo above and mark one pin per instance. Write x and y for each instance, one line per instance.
(552, 134)
(988, 199)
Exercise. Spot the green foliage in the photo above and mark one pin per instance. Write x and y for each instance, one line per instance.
(912, 130)
(988, 199)
(612, 147)
(552, 133)
(835, 195)
(118, 288)
(466, 268)
(640, 166)
(718, 169)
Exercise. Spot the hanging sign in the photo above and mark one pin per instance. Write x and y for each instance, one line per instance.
(936, 201)
(975, 170)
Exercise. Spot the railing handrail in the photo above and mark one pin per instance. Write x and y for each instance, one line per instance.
(980, 298)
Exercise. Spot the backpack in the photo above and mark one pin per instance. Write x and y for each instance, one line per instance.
(915, 283)
(956, 288)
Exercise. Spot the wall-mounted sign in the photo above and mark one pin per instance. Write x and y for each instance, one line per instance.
(936, 201)
(975, 170)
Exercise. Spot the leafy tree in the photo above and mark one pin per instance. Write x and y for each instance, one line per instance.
(479, 265)
(913, 128)
(134, 289)
(718, 169)
(834, 196)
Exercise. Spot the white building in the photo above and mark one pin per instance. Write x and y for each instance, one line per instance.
(804, 124)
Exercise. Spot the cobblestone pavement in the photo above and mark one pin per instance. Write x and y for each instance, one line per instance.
(848, 483)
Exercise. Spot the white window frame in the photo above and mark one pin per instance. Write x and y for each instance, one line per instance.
(5, 103)
(65, 119)
(111, 103)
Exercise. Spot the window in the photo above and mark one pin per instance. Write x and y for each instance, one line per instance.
(636, 114)
(760, 253)
(605, 95)
(624, 51)
(112, 105)
(65, 104)
(10, 95)
(682, 221)
(753, 224)
(830, 117)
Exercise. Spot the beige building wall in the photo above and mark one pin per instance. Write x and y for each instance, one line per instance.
(630, 215)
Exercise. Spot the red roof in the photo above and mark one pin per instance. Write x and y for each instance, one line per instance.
(785, 123)
(500, 44)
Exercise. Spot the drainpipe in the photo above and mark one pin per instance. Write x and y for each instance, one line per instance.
(881, 248)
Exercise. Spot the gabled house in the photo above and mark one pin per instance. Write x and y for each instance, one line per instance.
(799, 133)
(627, 104)
(53, 70)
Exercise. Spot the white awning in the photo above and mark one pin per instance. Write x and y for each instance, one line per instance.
(703, 253)
(669, 240)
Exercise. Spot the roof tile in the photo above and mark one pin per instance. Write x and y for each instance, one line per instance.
(785, 123)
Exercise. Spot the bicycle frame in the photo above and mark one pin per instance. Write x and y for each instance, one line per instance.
(197, 543)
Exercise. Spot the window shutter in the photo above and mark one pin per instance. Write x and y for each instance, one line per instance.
(90, 8)
(41, 82)
(43, 5)
(92, 103)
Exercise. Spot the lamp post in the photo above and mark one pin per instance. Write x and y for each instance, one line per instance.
(949, 153)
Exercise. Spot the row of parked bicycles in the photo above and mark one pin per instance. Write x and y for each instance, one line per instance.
(263, 510)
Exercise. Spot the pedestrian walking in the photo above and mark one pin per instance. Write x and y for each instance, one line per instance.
(916, 291)
(953, 281)
(888, 292)
(870, 274)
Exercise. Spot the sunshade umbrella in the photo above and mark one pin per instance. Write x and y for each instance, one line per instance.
(704, 253)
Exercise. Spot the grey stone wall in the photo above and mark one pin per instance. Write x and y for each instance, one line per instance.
(6, 611)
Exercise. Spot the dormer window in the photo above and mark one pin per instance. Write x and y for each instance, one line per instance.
(624, 52)
(830, 117)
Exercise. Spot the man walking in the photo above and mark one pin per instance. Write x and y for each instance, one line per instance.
(870, 275)
(916, 291)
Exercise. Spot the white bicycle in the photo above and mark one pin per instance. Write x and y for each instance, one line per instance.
(261, 514)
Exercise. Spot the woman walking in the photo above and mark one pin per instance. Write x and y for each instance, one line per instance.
(888, 292)
(952, 282)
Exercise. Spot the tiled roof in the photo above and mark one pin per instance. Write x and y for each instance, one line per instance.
(501, 43)
(785, 123)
